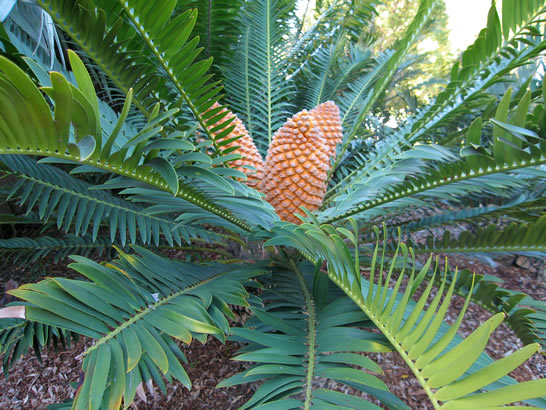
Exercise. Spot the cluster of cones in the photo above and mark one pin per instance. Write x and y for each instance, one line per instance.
(297, 162)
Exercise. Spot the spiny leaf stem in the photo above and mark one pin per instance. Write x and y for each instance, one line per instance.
(312, 334)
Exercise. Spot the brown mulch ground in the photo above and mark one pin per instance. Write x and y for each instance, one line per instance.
(32, 385)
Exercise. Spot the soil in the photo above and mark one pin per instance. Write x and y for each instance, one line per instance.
(32, 385)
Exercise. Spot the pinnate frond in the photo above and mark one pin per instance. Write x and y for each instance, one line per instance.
(306, 332)
(256, 80)
(133, 307)
(449, 369)
(140, 159)
(76, 205)
(521, 238)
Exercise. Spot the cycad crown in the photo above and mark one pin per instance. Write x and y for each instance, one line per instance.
(248, 151)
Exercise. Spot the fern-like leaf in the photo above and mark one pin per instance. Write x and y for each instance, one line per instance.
(478, 171)
(133, 307)
(372, 89)
(498, 50)
(28, 250)
(75, 203)
(449, 370)
(258, 88)
(306, 331)
(139, 159)
(516, 238)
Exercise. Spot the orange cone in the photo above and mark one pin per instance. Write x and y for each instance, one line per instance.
(248, 151)
(328, 121)
(297, 163)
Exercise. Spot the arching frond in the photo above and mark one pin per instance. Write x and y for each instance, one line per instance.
(126, 32)
(383, 77)
(329, 71)
(480, 171)
(76, 205)
(28, 250)
(133, 307)
(338, 19)
(449, 369)
(517, 238)
(323, 30)
(27, 127)
(526, 207)
(250, 209)
(217, 27)
(317, 75)
(357, 100)
(9, 219)
(498, 50)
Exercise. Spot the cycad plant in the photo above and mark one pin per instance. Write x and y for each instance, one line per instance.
(131, 147)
